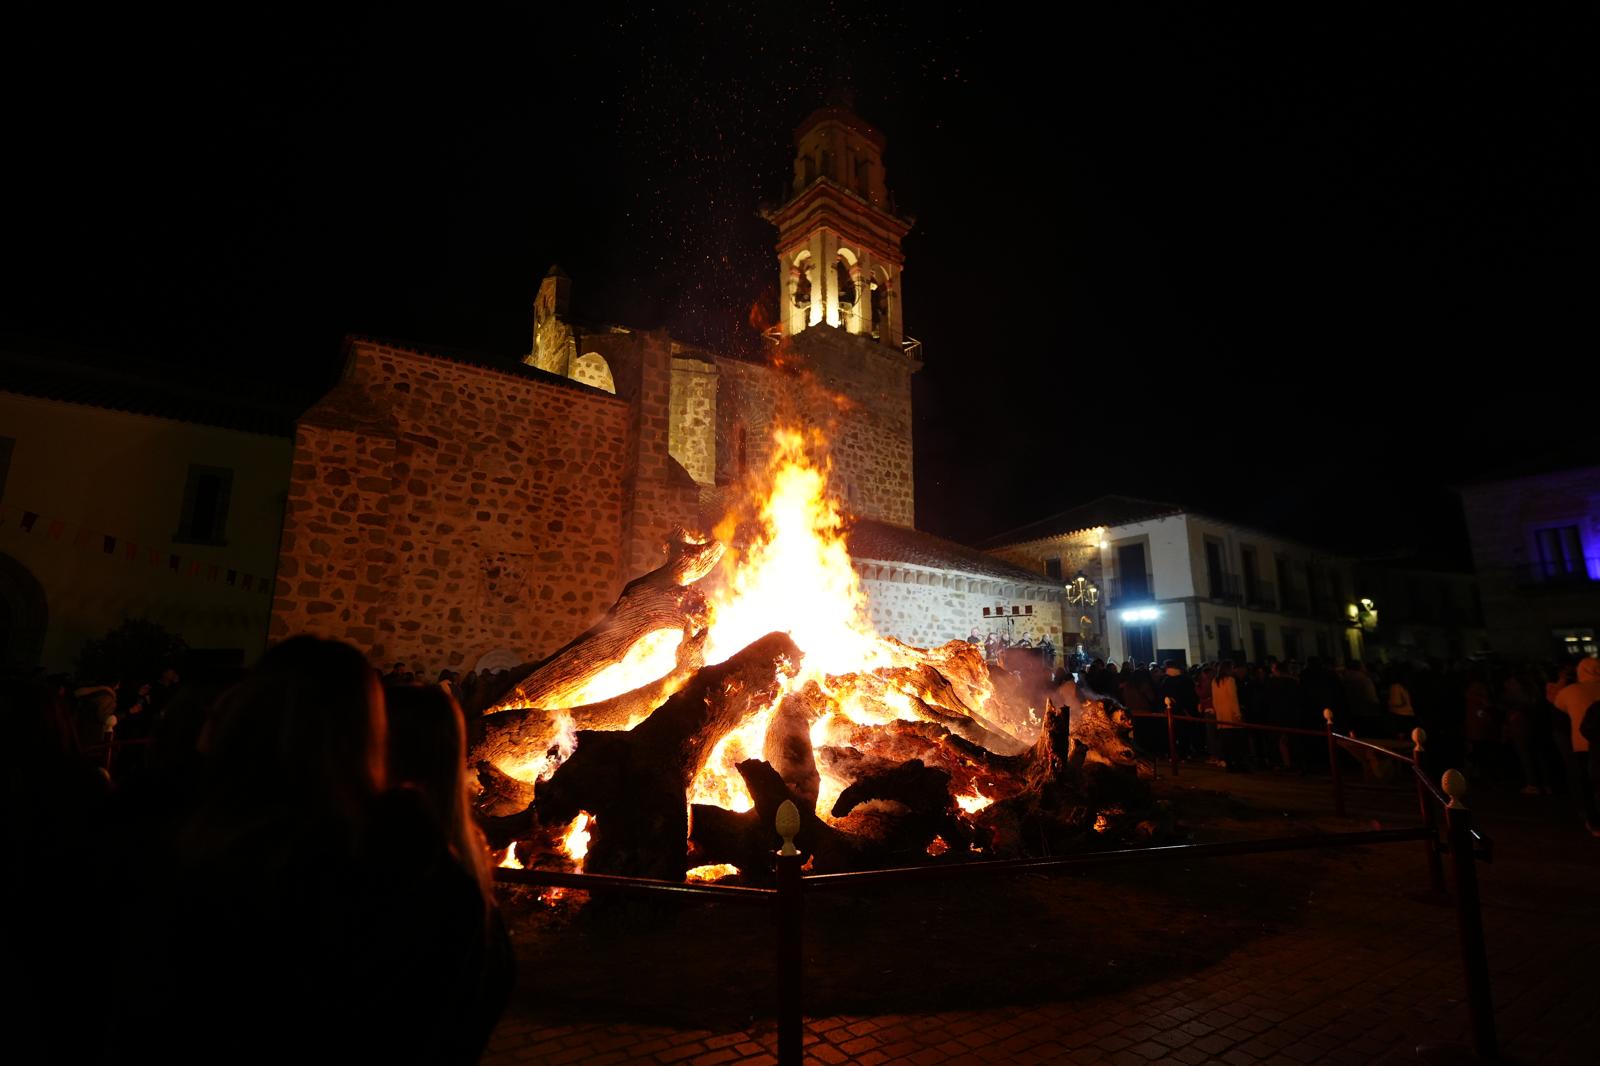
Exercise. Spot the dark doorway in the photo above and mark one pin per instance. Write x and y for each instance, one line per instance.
(1139, 644)
(1258, 642)
(1224, 639)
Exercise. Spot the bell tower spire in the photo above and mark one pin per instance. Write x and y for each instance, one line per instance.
(839, 258)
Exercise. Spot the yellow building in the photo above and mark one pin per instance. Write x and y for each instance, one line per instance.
(120, 498)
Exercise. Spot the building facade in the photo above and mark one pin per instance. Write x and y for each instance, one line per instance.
(1176, 584)
(451, 511)
(119, 500)
(1536, 546)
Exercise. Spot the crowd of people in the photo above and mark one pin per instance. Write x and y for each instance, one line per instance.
(1535, 727)
(995, 645)
(289, 871)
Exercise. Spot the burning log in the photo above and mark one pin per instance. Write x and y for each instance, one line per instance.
(634, 782)
(660, 600)
(788, 744)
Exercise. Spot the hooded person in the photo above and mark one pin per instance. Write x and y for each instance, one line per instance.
(1574, 701)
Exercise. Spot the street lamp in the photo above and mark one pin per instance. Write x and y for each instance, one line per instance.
(1082, 590)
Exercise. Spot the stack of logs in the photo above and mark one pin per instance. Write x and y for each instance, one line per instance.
(1080, 781)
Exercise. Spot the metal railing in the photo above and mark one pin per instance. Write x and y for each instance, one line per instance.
(1461, 841)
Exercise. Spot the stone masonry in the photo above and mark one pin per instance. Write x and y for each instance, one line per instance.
(439, 510)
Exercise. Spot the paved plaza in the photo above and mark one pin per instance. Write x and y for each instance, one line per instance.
(1363, 969)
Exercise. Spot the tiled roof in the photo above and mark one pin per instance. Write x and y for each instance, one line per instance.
(160, 392)
(885, 543)
(1105, 511)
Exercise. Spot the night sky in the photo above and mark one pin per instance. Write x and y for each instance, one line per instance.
(1303, 270)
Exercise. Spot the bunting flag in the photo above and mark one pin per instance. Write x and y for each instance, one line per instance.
(108, 544)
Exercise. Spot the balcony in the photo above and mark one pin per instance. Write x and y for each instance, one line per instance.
(1295, 601)
(1120, 593)
(1261, 594)
(1225, 588)
(1564, 574)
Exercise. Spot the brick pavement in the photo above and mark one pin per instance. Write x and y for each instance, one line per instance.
(1369, 972)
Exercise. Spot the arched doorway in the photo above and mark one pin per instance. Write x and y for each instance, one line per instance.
(24, 614)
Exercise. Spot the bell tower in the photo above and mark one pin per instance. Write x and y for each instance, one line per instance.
(839, 258)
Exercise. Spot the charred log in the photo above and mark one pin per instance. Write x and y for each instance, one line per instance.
(634, 782)
(661, 599)
(788, 744)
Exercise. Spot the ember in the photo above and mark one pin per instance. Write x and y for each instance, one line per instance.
(890, 751)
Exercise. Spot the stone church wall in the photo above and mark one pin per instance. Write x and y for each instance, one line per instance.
(694, 417)
(928, 607)
(857, 392)
(439, 511)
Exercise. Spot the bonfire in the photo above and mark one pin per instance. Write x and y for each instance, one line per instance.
(744, 672)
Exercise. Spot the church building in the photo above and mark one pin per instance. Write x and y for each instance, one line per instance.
(450, 511)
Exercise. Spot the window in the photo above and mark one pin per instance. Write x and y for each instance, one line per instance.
(1225, 647)
(1258, 642)
(1247, 561)
(1291, 644)
(205, 506)
(1052, 568)
(1132, 580)
(1560, 555)
(1216, 574)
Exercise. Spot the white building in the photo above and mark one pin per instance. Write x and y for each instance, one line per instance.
(1177, 584)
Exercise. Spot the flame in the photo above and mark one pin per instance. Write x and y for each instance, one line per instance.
(540, 765)
(974, 803)
(576, 841)
(786, 567)
(795, 575)
(714, 872)
(510, 861)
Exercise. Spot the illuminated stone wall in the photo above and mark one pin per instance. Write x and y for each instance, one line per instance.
(927, 606)
(856, 391)
(692, 438)
(439, 511)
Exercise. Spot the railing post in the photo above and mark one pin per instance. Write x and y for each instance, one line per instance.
(1333, 762)
(1419, 736)
(791, 906)
(1172, 739)
(1469, 917)
(109, 736)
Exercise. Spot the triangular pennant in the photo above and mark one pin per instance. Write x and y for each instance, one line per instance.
(57, 527)
(110, 544)
(28, 520)
(132, 552)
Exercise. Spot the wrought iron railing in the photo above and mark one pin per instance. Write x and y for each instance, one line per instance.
(1460, 840)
